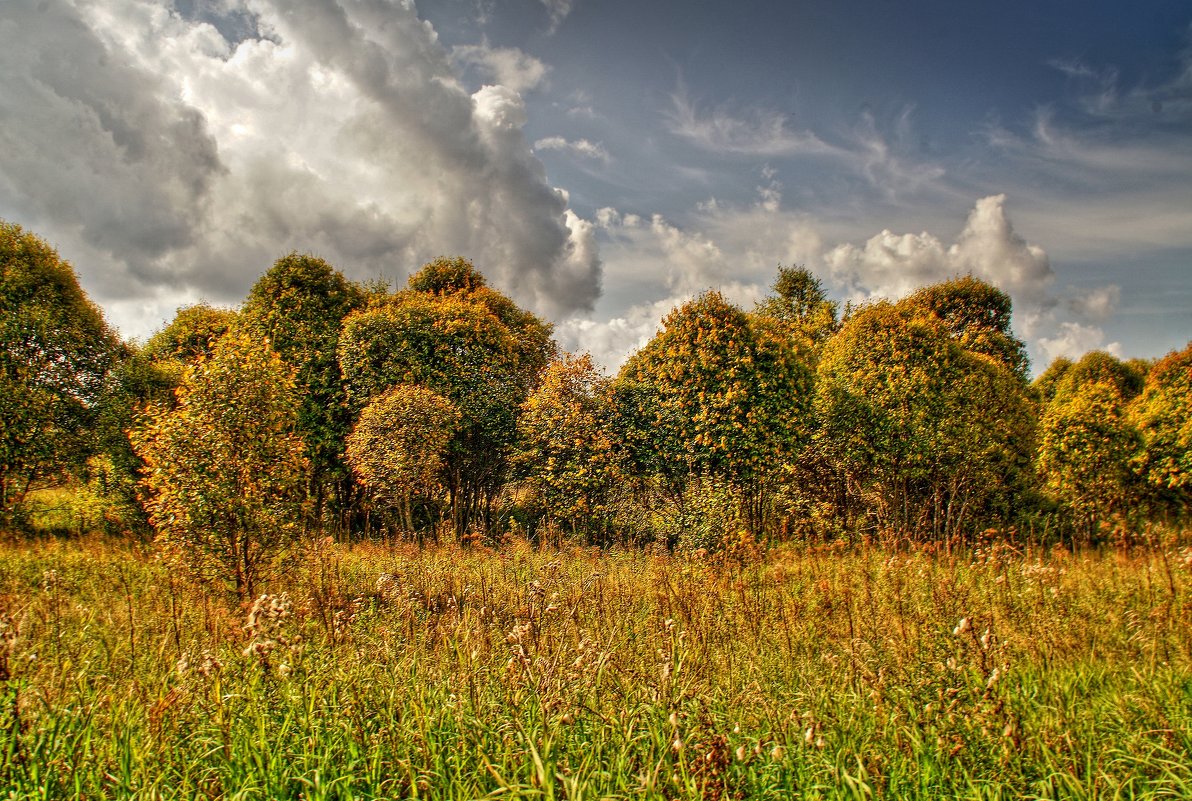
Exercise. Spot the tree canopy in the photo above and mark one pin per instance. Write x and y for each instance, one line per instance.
(56, 356)
(224, 469)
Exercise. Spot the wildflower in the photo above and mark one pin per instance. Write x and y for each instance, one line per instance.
(742, 753)
(961, 627)
(777, 753)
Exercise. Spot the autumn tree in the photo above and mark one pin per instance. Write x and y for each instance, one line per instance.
(299, 306)
(190, 336)
(728, 394)
(224, 469)
(1087, 440)
(398, 445)
(566, 448)
(923, 432)
(977, 316)
(1163, 416)
(799, 302)
(469, 344)
(56, 357)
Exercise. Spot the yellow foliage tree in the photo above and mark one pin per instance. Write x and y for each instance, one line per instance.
(224, 471)
(397, 447)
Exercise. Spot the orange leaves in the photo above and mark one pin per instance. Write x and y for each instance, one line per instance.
(224, 470)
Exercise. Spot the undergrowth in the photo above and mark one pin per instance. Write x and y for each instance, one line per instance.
(448, 672)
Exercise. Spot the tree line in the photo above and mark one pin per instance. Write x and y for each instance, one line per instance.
(444, 409)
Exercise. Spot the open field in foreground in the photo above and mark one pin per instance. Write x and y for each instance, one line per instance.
(447, 673)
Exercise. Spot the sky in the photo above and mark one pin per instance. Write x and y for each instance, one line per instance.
(602, 161)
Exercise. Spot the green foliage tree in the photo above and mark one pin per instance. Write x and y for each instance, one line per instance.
(469, 344)
(566, 447)
(224, 469)
(191, 335)
(800, 303)
(1085, 451)
(398, 444)
(56, 357)
(1163, 417)
(977, 316)
(1100, 367)
(299, 306)
(922, 432)
(728, 393)
(1048, 382)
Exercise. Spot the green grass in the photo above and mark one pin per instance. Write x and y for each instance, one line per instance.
(523, 673)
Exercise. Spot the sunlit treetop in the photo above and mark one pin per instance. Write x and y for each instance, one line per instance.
(1099, 367)
(191, 335)
(977, 316)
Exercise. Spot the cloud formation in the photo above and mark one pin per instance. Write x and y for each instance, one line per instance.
(579, 147)
(192, 161)
(761, 132)
(737, 249)
(507, 66)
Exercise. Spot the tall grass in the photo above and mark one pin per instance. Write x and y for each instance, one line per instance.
(525, 673)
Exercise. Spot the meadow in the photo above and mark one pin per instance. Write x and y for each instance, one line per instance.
(834, 671)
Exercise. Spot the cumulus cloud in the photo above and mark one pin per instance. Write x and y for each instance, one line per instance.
(170, 161)
(580, 147)
(1073, 340)
(736, 250)
(507, 66)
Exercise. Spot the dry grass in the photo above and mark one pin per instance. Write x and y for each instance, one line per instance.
(379, 672)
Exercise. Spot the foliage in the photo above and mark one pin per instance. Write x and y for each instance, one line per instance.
(299, 306)
(800, 303)
(397, 446)
(472, 346)
(224, 469)
(731, 395)
(1163, 416)
(1048, 382)
(566, 447)
(923, 433)
(56, 355)
(1086, 445)
(1122, 378)
(977, 316)
(191, 335)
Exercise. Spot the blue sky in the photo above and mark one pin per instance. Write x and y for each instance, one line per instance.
(602, 160)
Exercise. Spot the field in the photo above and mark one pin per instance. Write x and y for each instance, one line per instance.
(524, 672)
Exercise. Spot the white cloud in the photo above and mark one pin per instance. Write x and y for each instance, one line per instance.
(580, 147)
(1073, 340)
(168, 163)
(762, 132)
(558, 11)
(507, 66)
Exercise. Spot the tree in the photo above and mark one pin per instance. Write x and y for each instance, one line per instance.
(1123, 378)
(191, 335)
(566, 448)
(922, 432)
(1085, 450)
(397, 446)
(1163, 417)
(977, 316)
(56, 356)
(224, 469)
(800, 303)
(729, 393)
(1046, 385)
(299, 306)
(469, 344)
